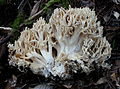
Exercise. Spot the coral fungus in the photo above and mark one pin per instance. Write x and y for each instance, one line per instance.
(71, 41)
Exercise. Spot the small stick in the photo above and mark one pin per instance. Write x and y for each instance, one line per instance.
(5, 28)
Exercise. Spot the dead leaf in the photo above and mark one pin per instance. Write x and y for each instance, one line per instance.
(116, 1)
(67, 86)
(5, 30)
(11, 83)
(101, 81)
(116, 14)
(87, 3)
(43, 86)
(35, 8)
(113, 77)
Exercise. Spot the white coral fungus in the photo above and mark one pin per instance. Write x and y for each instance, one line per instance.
(71, 41)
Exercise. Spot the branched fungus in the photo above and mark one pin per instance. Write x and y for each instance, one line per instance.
(71, 41)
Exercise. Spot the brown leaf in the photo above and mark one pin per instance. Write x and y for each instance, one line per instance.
(113, 76)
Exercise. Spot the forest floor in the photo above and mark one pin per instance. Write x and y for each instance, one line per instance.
(15, 15)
